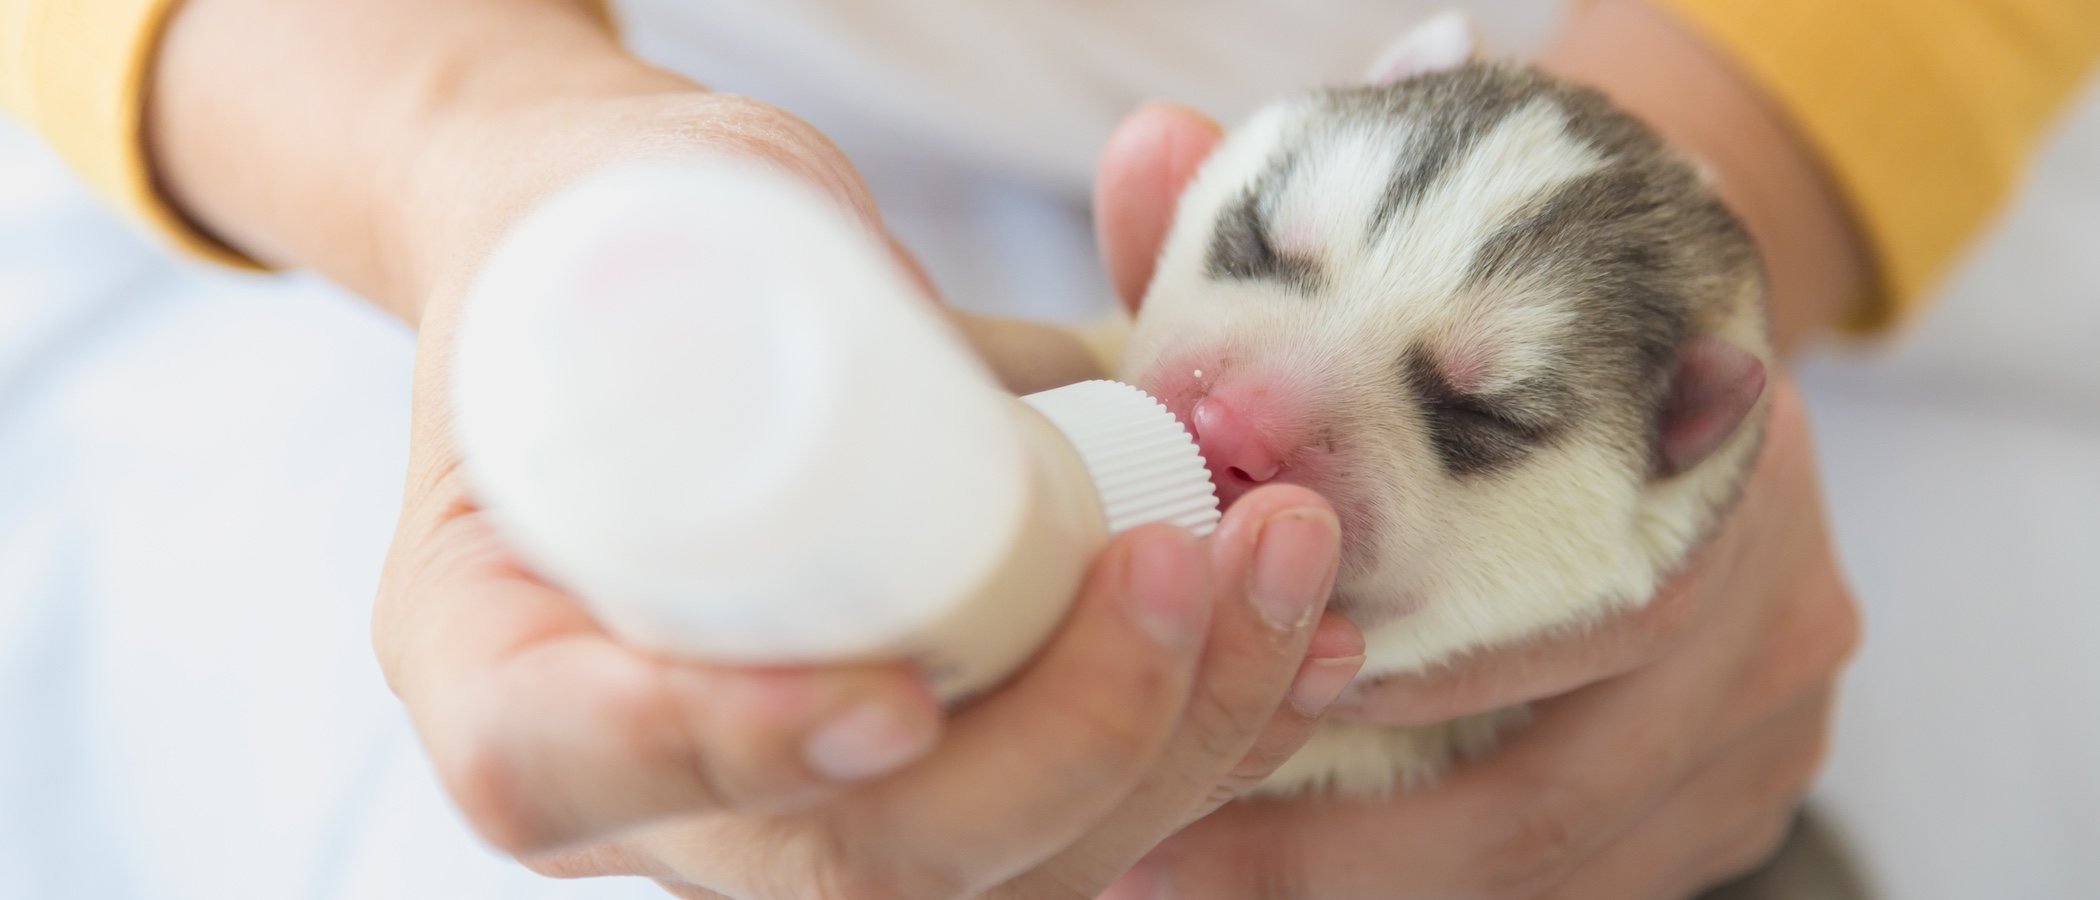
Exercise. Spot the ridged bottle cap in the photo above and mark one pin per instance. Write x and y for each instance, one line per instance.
(1144, 464)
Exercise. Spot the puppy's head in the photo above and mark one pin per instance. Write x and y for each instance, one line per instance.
(1513, 338)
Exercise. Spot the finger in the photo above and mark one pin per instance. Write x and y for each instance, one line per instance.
(1027, 770)
(1263, 686)
(1592, 765)
(1274, 559)
(1521, 673)
(1725, 820)
(547, 731)
(1030, 356)
(1776, 530)
(1336, 647)
(1332, 659)
(1143, 168)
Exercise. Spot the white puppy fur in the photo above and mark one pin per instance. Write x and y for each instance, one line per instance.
(1375, 211)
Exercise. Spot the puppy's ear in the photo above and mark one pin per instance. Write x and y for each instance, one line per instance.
(1713, 386)
(1442, 41)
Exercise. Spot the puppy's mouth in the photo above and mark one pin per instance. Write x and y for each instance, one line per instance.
(1261, 426)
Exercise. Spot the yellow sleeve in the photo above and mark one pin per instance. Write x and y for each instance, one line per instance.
(1926, 112)
(75, 72)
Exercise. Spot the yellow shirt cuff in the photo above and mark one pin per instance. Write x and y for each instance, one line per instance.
(1925, 112)
(75, 72)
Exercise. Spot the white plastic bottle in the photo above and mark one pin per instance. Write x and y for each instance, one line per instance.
(707, 401)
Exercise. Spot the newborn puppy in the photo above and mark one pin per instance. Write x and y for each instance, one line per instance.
(1513, 338)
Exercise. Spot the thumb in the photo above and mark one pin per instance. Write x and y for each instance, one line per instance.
(1146, 163)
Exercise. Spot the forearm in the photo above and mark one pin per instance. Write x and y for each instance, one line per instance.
(1650, 64)
(305, 132)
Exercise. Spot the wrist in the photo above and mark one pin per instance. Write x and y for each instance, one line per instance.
(1657, 69)
(293, 130)
(489, 141)
(488, 161)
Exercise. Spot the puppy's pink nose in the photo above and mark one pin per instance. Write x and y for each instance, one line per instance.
(1240, 456)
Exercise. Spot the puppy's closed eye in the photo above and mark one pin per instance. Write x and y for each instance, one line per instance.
(1476, 433)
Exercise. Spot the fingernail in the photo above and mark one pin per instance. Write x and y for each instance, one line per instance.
(866, 741)
(1320, 681)
(1163, 587)
(1290, 566)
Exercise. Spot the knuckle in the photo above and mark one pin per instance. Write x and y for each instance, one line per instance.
(485, 785)
(659, 737)
(1228, 790)
(1268, 755)
(1224, 724)
(1102, 737)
